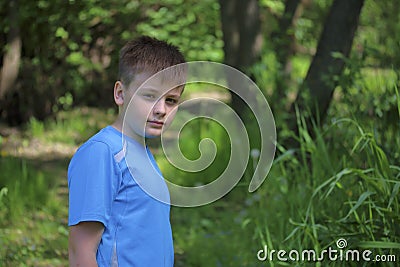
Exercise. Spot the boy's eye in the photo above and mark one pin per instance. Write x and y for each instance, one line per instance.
(149, 96)
(171, 101)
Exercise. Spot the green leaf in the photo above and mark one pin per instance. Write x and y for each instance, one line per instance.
(378, 244)
(360, 201)
(62, 33)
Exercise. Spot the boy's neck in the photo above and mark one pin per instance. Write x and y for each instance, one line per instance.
(118, 125)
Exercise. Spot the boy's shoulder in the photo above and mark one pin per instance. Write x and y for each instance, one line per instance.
(108, 138)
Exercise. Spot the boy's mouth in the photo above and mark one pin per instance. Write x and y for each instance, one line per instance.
(157, 123)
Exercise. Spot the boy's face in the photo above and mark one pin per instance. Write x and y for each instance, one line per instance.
(149, 105)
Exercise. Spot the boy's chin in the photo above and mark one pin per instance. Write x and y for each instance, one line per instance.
(153, 134)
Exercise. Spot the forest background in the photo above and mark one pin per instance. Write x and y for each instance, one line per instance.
(328, 68)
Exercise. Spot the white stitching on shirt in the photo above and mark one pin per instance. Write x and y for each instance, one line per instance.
(120, 155)
(114, 258)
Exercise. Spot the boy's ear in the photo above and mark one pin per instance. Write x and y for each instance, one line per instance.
(118, 93)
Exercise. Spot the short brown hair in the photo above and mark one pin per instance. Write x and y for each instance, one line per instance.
(146, 54)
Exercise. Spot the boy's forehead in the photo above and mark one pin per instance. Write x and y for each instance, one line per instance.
(162, 82)
(161, 89)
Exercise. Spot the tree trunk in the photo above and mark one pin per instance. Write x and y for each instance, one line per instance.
(242, 37)
(284, 45)
(321, 79)
(11, 60)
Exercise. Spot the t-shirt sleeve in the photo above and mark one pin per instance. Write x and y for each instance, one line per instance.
(92, 183)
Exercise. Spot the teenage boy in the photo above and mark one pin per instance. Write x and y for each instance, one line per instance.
(113, 221)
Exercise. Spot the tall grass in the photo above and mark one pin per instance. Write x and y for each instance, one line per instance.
(70, 127)
(307, 203)
(22, 188)
(32, 216)
(340, 196)
(342, 182)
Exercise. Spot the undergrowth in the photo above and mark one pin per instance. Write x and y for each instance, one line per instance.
(341, 184)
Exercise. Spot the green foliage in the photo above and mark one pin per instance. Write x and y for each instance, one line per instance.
(309, 26)
(276, 7)
(31, 233)
(308, 202)
(356, 201)
(377, 38)
(36, 127)
(67, 50)
(29, 184)
(378, 108)
(70, 48)
(70, 127)
(191, 25)
(66, 101)
(344, 183)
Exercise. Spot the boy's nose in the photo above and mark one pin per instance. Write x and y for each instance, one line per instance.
(159, 108)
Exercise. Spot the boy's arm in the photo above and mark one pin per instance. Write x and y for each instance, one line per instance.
(84, 239)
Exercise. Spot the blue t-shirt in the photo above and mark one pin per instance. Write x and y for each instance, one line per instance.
(137, 230)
